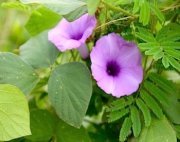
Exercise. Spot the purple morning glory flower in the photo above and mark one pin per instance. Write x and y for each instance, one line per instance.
(116, 65)
(68, 35)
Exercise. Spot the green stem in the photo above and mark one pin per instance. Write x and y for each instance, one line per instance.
(119, 9)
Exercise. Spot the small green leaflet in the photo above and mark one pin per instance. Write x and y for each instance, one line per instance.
(125, 130)
(42, 125)
(164, 46)
(14, 113)
(160, 130)
(136, 123)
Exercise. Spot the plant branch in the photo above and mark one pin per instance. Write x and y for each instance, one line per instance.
(118, 9)
(113, 21)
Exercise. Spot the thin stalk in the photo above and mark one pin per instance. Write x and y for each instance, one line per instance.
(113, 21)
(118, 9)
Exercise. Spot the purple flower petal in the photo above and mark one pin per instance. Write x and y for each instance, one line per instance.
(68, 35)
(116, 65)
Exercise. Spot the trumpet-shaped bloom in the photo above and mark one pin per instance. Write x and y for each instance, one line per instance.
(68, 35)
(116, 65)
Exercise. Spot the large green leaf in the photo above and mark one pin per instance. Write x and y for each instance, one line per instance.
(67, 133)
(76, 13)
(16, 72)
(42, 125)
(59, 6)
(39, 52)
(70, 90)
(14, 113)
(41, 15)
(159, 131)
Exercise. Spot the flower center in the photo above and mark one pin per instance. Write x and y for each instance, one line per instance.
(77, 36)
(112, 68)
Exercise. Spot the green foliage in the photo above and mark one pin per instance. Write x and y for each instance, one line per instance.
(116, 115)
(177, 128)
(147, 9)
(92, 6)
(37, 47)
(76, 13)
(39, 16)
(173, 107)
(42, 125)
(16, 5)
(156, 11)
(152, 98)
(160, 95)
(146, 113)
(15, 71)
(160, 130)
(62, 7)
(70, 90)
(14, 113)
(151, 114)
(125, 130)
(164, 46)
(152, 104)
(136, 123)
(66, 133)
(144, 13)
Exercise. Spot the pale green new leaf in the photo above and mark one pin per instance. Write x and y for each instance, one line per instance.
(42, 15)
(15, 71)
(157, 12)
(147, 46)
(70, 89)
(136, 6)
(136, 123)
(92, 6)
(39, 52)
(125, 129)
(160, 130)
(14, 113)
(16, 5)
(146, 113)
